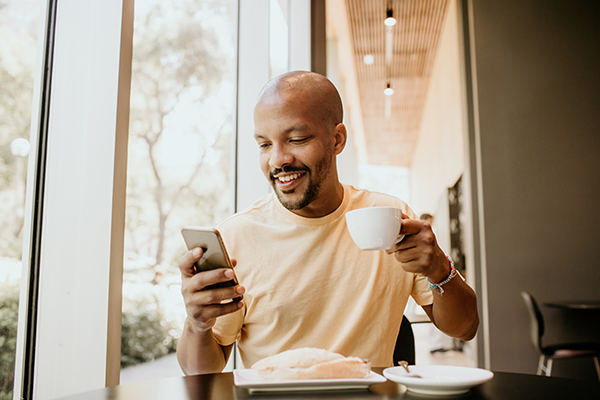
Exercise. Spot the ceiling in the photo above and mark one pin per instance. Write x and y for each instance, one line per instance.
(389, 139)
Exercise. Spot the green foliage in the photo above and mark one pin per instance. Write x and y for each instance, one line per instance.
(147, 332)
(9, 312)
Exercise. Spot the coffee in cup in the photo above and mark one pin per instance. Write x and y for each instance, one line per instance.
(375, 228)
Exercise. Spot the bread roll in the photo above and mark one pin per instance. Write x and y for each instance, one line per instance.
(311, 363)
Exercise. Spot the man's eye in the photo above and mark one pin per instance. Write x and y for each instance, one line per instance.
(298, 140)
(263, 145)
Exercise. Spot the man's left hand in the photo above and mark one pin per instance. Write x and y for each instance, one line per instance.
(456, 312)
(419, 252)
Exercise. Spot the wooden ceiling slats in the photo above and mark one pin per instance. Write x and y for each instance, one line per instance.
(415, 40)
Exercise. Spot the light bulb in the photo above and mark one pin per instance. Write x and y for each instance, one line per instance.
(389, 20)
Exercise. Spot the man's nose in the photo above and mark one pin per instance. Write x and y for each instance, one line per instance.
(280, 157)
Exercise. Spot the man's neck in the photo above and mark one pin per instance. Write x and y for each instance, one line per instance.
(324, 205)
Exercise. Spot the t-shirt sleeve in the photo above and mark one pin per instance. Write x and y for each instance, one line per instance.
(227, 328)
(420, 292)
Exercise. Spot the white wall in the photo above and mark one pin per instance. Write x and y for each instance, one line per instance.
(347, 161)
(439, 157)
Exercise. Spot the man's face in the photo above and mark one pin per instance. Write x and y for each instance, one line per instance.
(296, 153)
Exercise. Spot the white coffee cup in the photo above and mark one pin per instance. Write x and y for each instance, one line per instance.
(375, 228)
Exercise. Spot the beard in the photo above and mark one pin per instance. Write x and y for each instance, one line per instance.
(310, 193)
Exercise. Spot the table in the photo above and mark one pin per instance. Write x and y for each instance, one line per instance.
(504, 386)
(574, 305)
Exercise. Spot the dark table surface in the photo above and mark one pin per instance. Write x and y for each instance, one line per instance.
(574, 305)
(504, 386)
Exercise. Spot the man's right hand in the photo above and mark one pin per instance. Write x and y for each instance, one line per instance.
(203, 305)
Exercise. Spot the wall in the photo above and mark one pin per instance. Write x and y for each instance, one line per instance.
(439, 158)
(347, 161)
(537, 92)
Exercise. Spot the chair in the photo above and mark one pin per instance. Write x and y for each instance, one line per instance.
(556, 351)
(405, 343)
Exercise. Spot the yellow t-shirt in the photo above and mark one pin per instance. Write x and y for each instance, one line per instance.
(308, 284)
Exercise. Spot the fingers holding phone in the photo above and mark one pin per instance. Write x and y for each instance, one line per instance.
(213, 254)
(209, 279)
(203, 305)
(187, 262)
(209, 285)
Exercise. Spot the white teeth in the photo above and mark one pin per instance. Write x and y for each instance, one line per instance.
(288, 178)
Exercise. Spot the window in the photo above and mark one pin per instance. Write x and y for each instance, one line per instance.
(182, 130)
(80, 235)
(18, 29)
(278, 37)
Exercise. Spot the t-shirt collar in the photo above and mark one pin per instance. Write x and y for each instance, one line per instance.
(314, 221)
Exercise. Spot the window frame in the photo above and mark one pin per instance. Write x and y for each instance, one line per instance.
(74, 216)
(69, 333)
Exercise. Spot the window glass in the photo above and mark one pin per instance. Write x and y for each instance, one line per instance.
(18, 30)
(278, 37)
(182, 126)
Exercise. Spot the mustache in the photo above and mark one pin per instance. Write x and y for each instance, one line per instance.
(288, 169)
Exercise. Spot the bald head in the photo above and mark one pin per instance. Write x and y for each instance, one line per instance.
(315, 90)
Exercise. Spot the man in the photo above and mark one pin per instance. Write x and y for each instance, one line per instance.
(438, 342)
(305, 283)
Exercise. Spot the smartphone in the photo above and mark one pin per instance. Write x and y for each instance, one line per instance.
(214, 253)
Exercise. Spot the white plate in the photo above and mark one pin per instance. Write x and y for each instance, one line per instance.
(439, 379)
(249, 378)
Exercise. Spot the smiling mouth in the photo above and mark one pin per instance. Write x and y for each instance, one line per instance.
(288, 178)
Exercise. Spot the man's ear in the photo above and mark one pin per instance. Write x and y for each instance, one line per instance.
(340, 136)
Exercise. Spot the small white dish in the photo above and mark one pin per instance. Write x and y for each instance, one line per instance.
(249, 378)
(439, 379)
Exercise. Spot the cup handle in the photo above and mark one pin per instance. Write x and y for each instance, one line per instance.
(399, 239)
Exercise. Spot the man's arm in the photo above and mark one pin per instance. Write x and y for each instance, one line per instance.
(199, 353)
(455, 311)
(197, 350)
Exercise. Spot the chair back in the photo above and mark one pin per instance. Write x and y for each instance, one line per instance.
(405, 343)
(536, 321)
